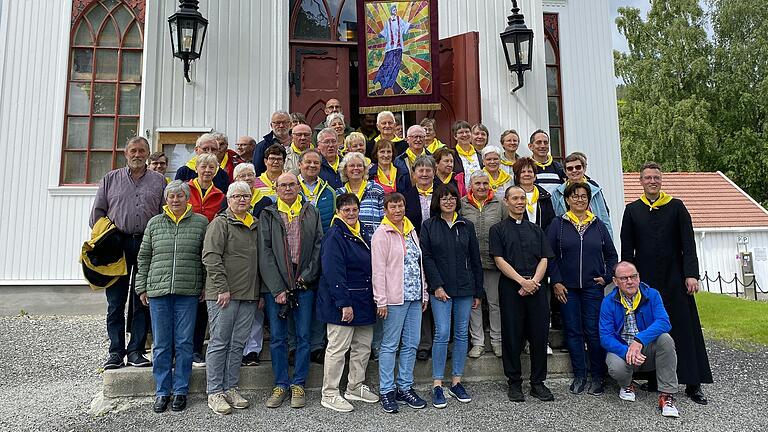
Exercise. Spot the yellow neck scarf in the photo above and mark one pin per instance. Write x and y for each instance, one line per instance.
(545, 164)
(355, 230)
(360, 192)
(434, 145)
(531, 205)
(453, 220)
(196, 184)
(407, 225)
(411, 155)
(635, 302)
(582, 180)
(255, 197)
(223, 164)
(506, 162)
(311, 195)
(247, 220)
(469, 154)
(663, 199)
(477, 204)
(297, 150)
(335, 165)
(387, 181)
(425, 192)
(290, 211)
(263, 177)
(173, 217)
(394, 139)
(579, 223)
(501, 178)
(447, 178)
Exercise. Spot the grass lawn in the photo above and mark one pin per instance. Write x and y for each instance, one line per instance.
(734, 320)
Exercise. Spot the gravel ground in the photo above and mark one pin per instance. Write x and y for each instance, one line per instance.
(49, 380)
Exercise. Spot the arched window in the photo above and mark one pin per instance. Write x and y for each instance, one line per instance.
(554, 90)
(329, 20)
(104, 87)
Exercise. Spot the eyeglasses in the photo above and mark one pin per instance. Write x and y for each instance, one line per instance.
(238, 197)
(273, 159)
(349, 210)
(247, 176)
(448, 198)
(287, 185)
(579, 197)
(628, 278)
(417, 137)
(574, 168)
(281, 123)
(329, 141)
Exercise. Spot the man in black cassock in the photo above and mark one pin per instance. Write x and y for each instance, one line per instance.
(657, 236)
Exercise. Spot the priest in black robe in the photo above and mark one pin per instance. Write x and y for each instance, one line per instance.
(657, 236)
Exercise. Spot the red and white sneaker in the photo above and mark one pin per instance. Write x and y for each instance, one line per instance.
(667, 406)
(627, 393)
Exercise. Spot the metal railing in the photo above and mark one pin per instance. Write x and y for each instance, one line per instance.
(720, 281)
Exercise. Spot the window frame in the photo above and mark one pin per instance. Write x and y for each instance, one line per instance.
(552, 35)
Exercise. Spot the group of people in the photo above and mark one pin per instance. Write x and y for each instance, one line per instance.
(388, 249)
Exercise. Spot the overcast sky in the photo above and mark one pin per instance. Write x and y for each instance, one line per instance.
(619, 42)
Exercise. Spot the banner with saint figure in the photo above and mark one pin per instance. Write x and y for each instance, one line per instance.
(398, 55)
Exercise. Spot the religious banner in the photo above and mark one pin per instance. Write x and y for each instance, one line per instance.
(398, 52)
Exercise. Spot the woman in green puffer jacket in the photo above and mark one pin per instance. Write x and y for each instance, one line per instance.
(170, 280)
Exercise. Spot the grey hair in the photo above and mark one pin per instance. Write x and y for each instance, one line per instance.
(383, 114)
(491, 149)
(137, 139)
(221, 136)
(280, 112)
(239, 168)
(333, 116)
(424, 160)
(207, 158)
(176, 186)
(204, 138)
(326, 131)
(310, 150)
(238, 186)
(348, 158)
(478, 174)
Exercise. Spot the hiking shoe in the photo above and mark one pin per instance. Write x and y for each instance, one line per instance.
(515, 393)
(298, 396)
(217, 402)
(362, 394)
(627, 393)
(235, 400)
(277, 397)
(198, 360)
(476, 351)
(497, 351)
(667, 406)
(388, 402)
(438, 398)
(541, 392)
(337, 403)
(251, 359)
(114, 361)
(137, 359)
(596, 387)
(578, 385)
(459, 393)
(410, 398)
(422, 355)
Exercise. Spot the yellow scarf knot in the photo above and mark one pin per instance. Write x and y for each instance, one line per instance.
(291, 211)
(545, 164)
(502, 177)
(663, 199)
(579, 223)
(173, 217)
(407, 226)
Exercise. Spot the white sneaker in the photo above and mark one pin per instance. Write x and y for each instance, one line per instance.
(627, 393)
(218, 403)
(476, 351)
(667, 406)
(235, 400)
(362, 394)
(336, 403)
(549, 350)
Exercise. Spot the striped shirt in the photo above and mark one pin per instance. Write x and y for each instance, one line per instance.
(550, 177)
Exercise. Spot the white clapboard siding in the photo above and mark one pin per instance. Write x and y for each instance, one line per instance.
(718, 251)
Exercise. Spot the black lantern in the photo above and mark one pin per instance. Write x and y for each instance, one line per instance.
(517, 40)
(188, 29)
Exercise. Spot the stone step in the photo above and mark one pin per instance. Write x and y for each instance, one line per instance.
(131, 381)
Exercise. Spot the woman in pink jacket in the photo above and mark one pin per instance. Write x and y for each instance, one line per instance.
(400, 292)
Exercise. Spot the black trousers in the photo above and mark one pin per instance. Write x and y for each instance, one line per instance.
(523, 318)
(138, 315)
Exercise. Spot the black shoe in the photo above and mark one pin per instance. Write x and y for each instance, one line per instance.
(422, 355)
(597, 387)
(198, 360)
(161, 403)
(292, 357)
(578, 385)
(251, 359)
(137, 359)
(375, 355)
(694, 392)
(114, 361)
(651, 386)
(515, 393)
(179, 402)
(317, 356)
(541, 392)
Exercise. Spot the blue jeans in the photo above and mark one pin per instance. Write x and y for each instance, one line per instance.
(402, 322)
(278, 327)
(581, 317)
(173, 324)
(461, 307)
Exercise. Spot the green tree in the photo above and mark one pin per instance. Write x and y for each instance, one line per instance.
(665, 113)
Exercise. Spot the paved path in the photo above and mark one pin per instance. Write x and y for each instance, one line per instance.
(49, 370)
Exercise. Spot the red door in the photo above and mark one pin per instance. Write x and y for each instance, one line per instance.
(318, 73)
(459, 84)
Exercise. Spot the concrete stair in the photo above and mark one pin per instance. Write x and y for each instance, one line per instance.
(130, 381)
